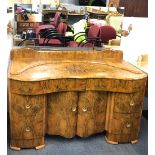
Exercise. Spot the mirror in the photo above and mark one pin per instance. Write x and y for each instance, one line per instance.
(86, 26)
(100, 16)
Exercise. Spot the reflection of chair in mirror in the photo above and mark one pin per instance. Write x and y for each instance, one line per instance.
(52, 25)
(54, 38)
(107, 33)
(91, 39)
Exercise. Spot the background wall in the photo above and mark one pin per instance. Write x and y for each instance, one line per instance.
(138, 41)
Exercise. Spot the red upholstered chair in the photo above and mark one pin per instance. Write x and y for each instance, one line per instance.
(92, 38)
(107, 33)
(51, 38)
(49, 26)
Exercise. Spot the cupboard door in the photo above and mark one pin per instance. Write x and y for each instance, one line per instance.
(27, 116)
(91, 113)
(62, 114)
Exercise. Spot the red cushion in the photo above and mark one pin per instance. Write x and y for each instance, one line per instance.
(41, 41)
(62, 28)
(93, 31)
(44, 27)
(57, 18)
(88, 45)
(55, 42)
(73, 44)
(107, 33)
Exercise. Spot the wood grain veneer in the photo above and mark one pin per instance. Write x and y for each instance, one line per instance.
(72, 93)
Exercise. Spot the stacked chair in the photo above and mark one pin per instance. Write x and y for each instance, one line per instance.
(91, 38)
(107, 33)
(53, 25)
(52, 37)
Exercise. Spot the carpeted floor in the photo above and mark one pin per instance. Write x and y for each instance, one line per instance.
(93, 145)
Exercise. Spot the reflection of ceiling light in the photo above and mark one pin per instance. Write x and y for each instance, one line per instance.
(39, 75)
(100, 73)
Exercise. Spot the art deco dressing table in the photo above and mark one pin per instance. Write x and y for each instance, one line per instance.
(72, 93)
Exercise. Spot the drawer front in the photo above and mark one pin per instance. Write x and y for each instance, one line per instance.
(125, 123)
(27, 116)
(62, 114)
(91, 112)
(25, 105)
(128, 102)
(27, 128)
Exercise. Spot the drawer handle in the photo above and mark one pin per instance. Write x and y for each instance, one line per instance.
(27, 129)
(132, 103)
(128, 125)
(27, 106)
(84, 109)
(74, 109)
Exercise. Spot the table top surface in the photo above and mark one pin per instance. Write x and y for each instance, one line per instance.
(36, 68)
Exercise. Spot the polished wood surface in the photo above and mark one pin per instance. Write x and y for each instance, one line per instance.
(70, 64)
(72, 93)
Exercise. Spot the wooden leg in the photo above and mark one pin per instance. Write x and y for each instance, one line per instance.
(134, 141)
(110, 142)
(39, 147)
(15, 148)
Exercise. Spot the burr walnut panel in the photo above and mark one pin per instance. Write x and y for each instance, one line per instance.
(58, 85)
(72, 93)
(128, 103)
(91, 113)
(125, 128)
(125, 123)
(25, 105)
(62, 114)
(27, 118)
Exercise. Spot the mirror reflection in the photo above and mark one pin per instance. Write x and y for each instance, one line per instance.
(68, 26)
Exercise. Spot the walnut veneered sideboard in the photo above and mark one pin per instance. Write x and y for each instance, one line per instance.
(72, 93)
